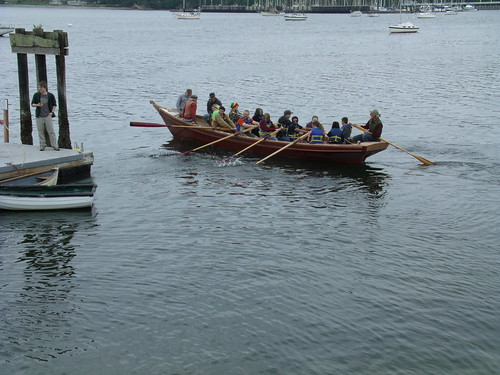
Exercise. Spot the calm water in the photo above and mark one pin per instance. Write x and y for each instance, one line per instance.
(184, 267)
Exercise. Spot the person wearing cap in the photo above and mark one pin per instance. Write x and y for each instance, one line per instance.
(212, 99)
(234, 114)
(189, 113)
(374, 127)
(284, 122)
(222, 120)
(182, 100)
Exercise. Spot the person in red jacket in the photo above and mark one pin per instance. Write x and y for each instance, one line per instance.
(190, 109)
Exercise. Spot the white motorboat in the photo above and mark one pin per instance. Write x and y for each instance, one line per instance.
(356, 13)
(295, 17)
(189, 16)
(404, 27)
(373, 14)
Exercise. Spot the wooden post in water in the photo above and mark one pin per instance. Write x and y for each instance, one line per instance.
(41, 43)
(64, 136)
(6, 121)
(40, 61)
(24, 99)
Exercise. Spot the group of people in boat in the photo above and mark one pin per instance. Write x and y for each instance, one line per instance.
(287, 127)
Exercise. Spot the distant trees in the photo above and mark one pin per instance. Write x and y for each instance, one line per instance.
(148, 4)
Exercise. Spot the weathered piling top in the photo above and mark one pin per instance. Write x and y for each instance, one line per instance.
(39, 42)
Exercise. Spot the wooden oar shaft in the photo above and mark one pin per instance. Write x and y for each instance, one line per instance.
(147, 124)
(283, 148)
(419, 158)
(155, 125)
(217, 140)
(256, 143)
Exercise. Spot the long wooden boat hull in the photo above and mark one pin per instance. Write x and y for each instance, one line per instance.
(343, 153)
(36, 198)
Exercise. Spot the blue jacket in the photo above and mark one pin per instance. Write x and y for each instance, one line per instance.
(335, 135)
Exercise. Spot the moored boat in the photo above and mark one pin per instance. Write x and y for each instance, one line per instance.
(189, 16)
(335, 153)
(45, 178)
(271, 13)
(295, 17)
(356, 13)
(470, 8)
(426, 15)
(37, 197)
(404, 27)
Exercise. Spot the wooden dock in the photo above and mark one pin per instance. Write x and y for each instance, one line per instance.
(19, 159)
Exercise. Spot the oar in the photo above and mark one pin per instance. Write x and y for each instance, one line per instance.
(282, 148)
(147, 124)
(253, 144)
(154, 125)
(217, 140)
(419, 158)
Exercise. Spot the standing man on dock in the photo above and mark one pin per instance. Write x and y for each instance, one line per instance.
(45, 104)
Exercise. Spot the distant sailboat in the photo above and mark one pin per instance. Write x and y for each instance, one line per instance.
(403, 27)
(427, 12)
(187, 15)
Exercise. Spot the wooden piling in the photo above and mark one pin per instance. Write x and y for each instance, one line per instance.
(24, 99)
(6, 121)
(64, 136)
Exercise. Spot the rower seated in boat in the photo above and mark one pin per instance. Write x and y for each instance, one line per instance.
(222, 120)
(335, 135)
(266, 127)
(245, 122)
(374, 127)
(190, 109)
(316, 135)
(295, 130)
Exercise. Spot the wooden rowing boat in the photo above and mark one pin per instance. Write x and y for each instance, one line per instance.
(341, 153)
(38, 197)
(45, 178)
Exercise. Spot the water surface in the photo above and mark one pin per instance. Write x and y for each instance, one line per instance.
(187, 267)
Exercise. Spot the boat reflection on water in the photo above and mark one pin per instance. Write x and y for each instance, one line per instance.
(43, 265)
(369, 178)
